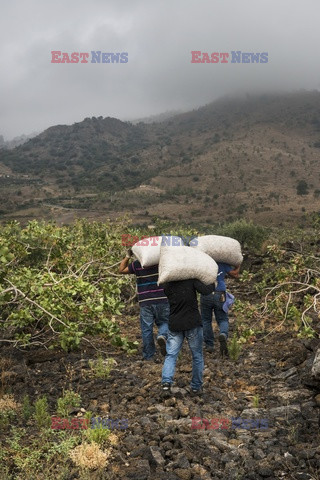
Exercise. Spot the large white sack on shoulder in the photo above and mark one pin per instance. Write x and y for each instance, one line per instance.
(147, 250)
(183, 263)
(221, 249)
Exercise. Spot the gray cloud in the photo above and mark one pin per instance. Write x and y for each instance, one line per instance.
(159, 37)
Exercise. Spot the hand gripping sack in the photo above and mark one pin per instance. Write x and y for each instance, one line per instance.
(183, 263)
(147, 250)
(221, 249)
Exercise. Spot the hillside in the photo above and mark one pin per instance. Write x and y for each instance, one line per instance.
(234, 157)
(71, 352)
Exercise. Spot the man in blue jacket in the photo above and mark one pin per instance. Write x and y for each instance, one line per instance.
(214, 302)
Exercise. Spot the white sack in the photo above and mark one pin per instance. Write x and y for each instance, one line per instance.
(147, 250)
(221, 249)
(183, 263)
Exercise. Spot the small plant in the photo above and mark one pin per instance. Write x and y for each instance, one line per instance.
(234, 348)
(89, 456)
(68, 400)
(88, 415)
(8, 409)
(128, 346)
(7, 402)
(255, 401)
(247, 335)
(99, 435)
(293, 434)
(245, 276)
(41, 414)
(6, 417)
(306, 332)
(15, 436)
(101, 368)
(5, 365)
(27, 409)
(43, 456)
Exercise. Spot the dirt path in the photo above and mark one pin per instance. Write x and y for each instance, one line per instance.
(270, 381)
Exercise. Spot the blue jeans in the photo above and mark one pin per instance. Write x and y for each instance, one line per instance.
(174, 344)
(149, 314)
(209, 303)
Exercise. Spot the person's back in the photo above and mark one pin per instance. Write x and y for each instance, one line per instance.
(149, 293)
(182, 296)
(184, 322)
(154, 307)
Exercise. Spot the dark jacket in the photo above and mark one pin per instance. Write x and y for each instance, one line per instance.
(182, 296)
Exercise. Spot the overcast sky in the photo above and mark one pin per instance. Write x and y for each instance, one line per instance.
(159, 37)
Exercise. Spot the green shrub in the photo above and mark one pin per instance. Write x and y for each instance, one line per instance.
(97, 435)
(302, 188)
(41, 414)
(27, 409)
(41, 294)
(101, 368)
(247, 233)
(68, 400)
(6, 417)
(234, 348)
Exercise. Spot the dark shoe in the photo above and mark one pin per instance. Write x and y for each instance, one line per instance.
(153, 359)
(166, 390)
(150, 359)
(209, 348)
(223, 345)
(162, 342)
(194, 392)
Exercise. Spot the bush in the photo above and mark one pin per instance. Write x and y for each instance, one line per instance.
(302, 188)
(101, 368)
(247, 233)
(89, 456)
(50, 279)
(68, 401)
(41, 414)
(234, 348)
(99, 435)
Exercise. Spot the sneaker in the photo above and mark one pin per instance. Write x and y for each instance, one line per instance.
(152, 360)
(166, 389)
(162, 342)
(209, 348)
(194, 392)
(223, 345)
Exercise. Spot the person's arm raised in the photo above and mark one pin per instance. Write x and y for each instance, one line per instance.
(123, 267)
(235, 272)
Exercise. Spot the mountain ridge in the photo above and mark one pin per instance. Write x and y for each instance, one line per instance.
(237, 156)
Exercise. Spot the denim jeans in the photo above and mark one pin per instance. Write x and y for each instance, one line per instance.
(149, 314)
(209, 303)
(174, 344)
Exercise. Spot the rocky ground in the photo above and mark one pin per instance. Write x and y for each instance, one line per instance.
(271, 380)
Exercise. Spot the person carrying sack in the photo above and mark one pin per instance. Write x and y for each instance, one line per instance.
(184, 322)
(218, 303)
(154, 306)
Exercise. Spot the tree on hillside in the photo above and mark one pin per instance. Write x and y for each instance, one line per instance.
(302, 188)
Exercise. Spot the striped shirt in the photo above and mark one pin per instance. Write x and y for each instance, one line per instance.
(149, 293)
